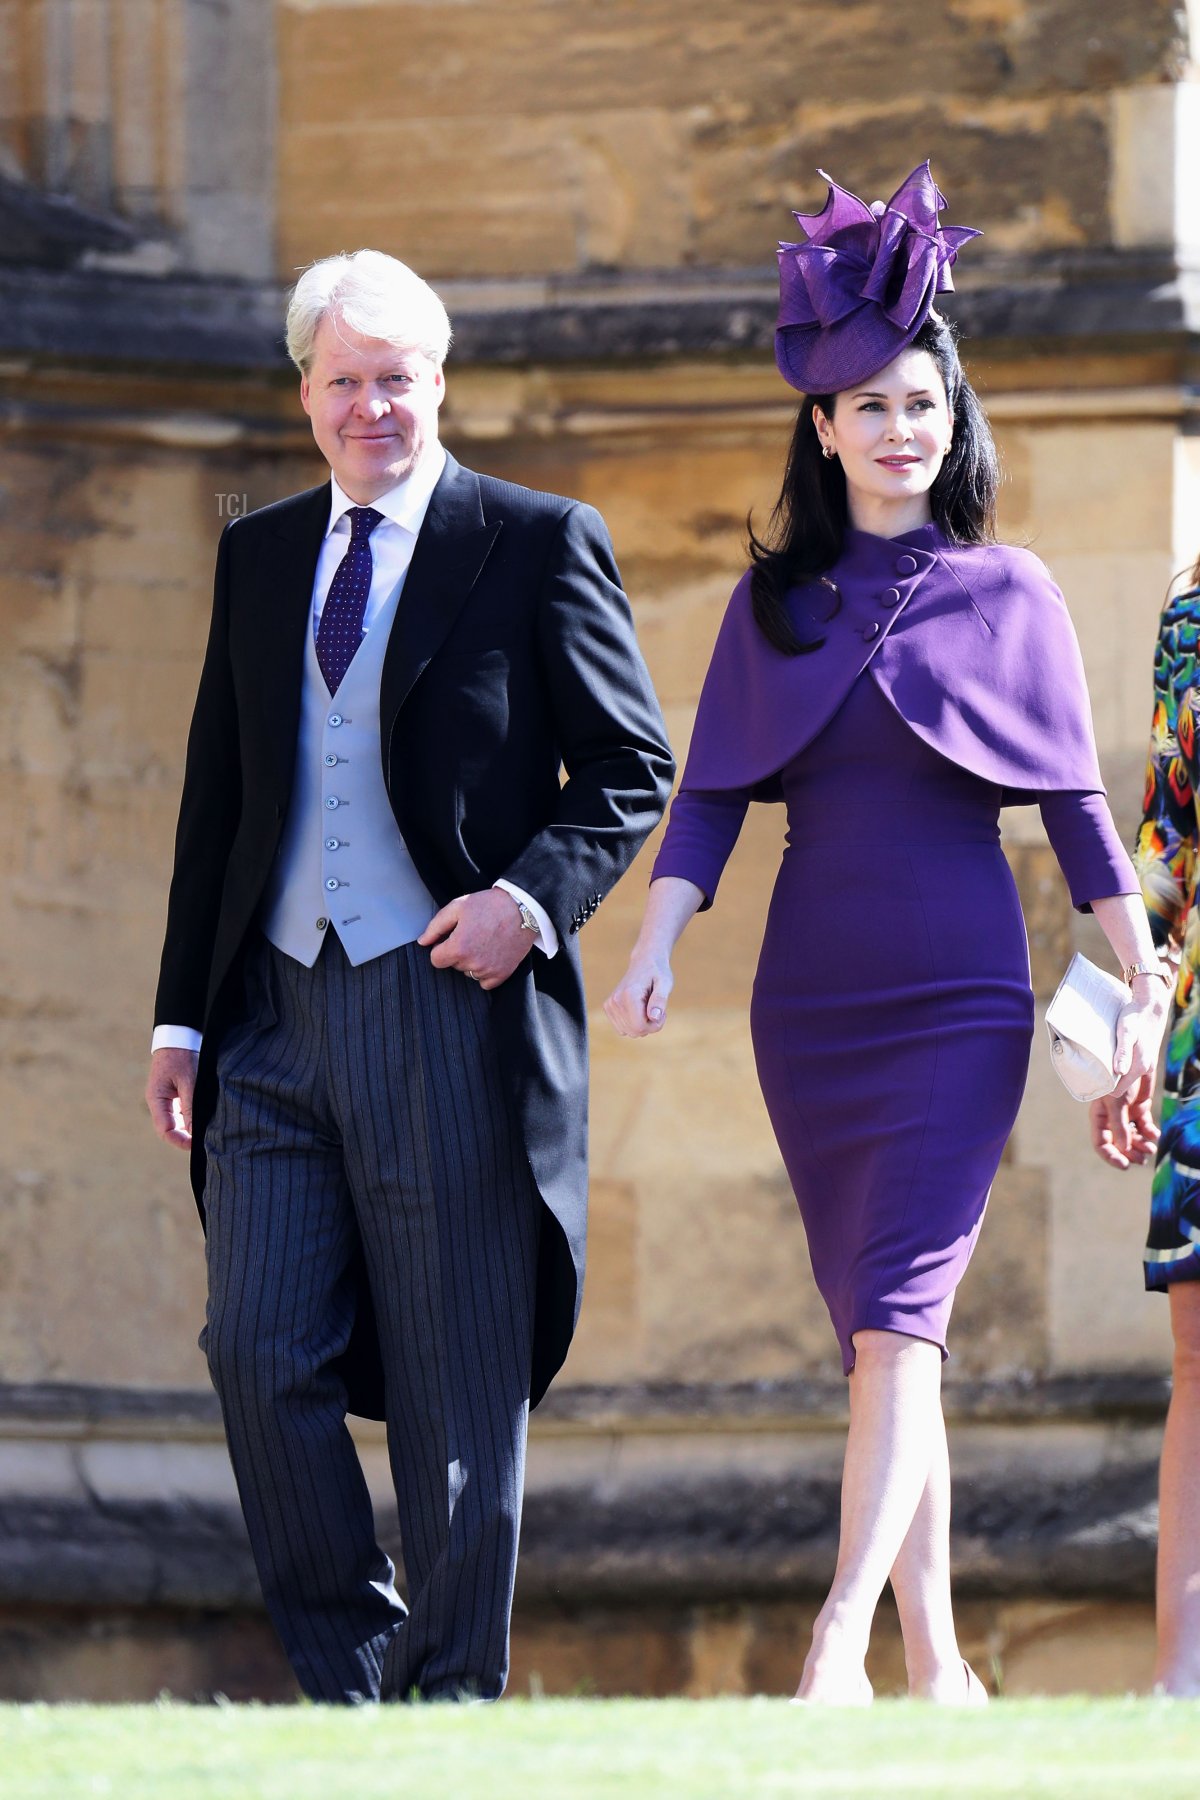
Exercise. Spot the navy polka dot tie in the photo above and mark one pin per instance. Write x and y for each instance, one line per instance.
(341, 628)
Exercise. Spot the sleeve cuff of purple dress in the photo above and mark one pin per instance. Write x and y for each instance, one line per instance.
(701, 832)
(1094, 861)
(687, 868)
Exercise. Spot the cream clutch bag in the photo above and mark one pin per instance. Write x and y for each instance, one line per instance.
(1082, 1023)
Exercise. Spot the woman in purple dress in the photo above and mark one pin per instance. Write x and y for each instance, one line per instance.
(894, 676)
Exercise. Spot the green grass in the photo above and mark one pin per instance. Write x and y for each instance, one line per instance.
(592, 1749)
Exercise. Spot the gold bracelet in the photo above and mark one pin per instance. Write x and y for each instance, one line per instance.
(1160, 970)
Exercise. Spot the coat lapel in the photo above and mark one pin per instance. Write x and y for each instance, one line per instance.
(282, 614)
(451, 550)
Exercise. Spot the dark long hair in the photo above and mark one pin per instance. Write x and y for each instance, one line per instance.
(806, 530)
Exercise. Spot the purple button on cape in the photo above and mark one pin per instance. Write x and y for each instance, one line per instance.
(978, 655)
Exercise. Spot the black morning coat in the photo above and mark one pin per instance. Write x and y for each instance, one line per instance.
(512, 660)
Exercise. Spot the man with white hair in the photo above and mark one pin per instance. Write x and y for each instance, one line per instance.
(370, 1025)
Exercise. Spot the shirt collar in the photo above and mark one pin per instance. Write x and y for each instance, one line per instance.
(405, 504)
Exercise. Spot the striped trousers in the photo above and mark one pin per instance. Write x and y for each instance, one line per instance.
(361, 1110)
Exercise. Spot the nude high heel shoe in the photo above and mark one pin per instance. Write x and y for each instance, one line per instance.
(977, 1694)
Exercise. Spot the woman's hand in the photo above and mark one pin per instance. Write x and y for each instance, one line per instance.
(637, 1005)
(1139, 1034)
(1123, 1128)
(1122, 919)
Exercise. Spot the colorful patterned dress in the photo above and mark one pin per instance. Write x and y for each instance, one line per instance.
(1166, 863)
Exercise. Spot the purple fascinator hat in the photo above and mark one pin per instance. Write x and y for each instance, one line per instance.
(863, 285)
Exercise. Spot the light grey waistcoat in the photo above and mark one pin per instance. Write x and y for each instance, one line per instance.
(342, 863)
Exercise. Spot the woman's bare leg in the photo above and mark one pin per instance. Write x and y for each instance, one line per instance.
(895, 1413)
(921, 1584)
(1177, 1668)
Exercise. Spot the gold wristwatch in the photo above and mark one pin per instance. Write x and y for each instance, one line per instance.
(1158, 969)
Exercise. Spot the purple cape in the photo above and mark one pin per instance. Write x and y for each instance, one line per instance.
(973, 646)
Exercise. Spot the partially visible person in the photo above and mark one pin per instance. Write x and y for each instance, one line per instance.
(1124, 1133)
(895, 676)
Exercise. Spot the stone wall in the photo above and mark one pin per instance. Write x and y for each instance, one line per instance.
(104, 597)
(699, 1269)
(530, 137)
(157, 116)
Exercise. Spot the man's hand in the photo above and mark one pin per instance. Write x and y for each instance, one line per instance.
(169, 1093)
(481, 934)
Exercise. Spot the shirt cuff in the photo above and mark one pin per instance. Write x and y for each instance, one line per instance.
(547, 938)
(174, 1037)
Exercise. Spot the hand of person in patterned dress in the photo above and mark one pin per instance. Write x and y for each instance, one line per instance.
(1122, 1126)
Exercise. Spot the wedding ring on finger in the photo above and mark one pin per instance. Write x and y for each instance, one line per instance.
(470, 975)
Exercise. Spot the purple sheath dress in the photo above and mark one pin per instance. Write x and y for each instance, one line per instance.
(892, 1014)
(892, 1049)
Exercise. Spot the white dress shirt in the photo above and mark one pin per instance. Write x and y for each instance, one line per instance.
(392, 544)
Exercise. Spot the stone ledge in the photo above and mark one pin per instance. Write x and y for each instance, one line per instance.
(54, 230)
(679, 1538)
(108, 1655)
(776, 1404)
(110, 319)
(78, 1409)
(148, 1553)
(746, 1539)
(681, 1495)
